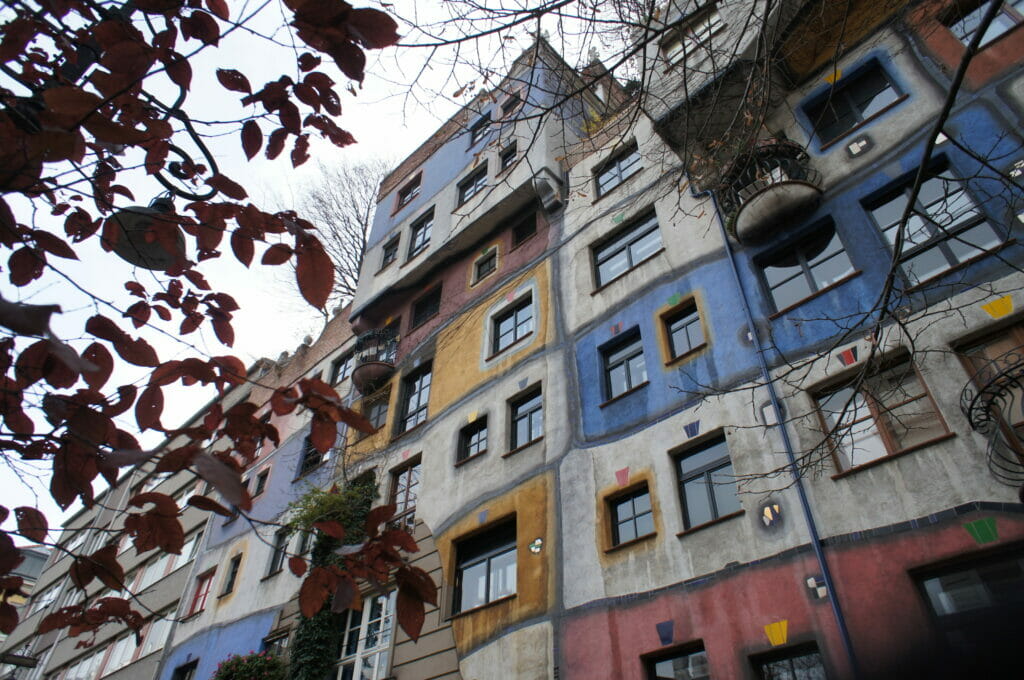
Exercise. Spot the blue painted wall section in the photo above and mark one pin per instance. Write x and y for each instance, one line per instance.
(214, 645)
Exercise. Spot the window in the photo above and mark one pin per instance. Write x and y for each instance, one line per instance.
(366, 639)
(945, 228)
(204, 582)
(624, 366)
(806, 267)
(416, 393)
(156, 635)
(341, 367)
(485, 567)
(513, 325)
(405, 489)
(486, 265)
(420, 236)
(229, 583)
(375, 409)
(684, 331)
(627, 249)
(122, 653)
(472, 440)
(44, 598)
(512, 104)
(707, 485)
(276, 645)
(795, 663)
(186, 671)
(311, 457)
(479, 129)
(973, 604)
(965, 15)
(852, 101)
(618, 169)
(507, 157)
(524, 229)
(689, 665)
(280, 551)
(426, 307)
(694, 39)
(473, 185)
(986, 360)
(408, 192)
(527, 419)
(890, 412)
(390, 253)
(631, 516)
(261, 483)
(304, 544)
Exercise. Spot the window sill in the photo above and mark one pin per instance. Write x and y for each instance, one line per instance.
(403, 433)
(653, 255)
(899, 454)
(719, 520)
(509, 347)
(625, 394)
(832, 286)
(307, 473)
(601, 197)
(474, 610)
(687, 355)
(835, 140)
(271, 575)
(192, 615)
(227, 594)
(422, 323)
(524, 446)
(460, 463)
(388, 265)
(526, 240)
(966, 263)
(630, 543)
(413, 256)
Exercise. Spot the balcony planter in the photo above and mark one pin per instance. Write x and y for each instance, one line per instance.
(375, 359)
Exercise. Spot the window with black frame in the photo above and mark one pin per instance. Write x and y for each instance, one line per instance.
(707, 484)
(806, 267)
(512, 325)
(427, 307)
(527, 419)
(472, 440)
(965, 16)
(802, 662)
(485, 568)
(311, 457)
(616, 170)
(690, 663)
(389, 253)
(946, 227)
(632, 516)
(420, 234)
(416, 394)
(473, 184)
(684, 331)
(624, 367)
(627, 249)
(405, 490)
(852, 101)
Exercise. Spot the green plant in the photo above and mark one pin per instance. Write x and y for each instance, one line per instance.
(251, 666)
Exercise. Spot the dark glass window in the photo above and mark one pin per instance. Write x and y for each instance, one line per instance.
(965, 16)
(479, 129)
(512, 104)
(527, 419)
(707, 484)
(420, 236)
(311, 458)
(390, 253)
(186, 672)
(276, 645)
(341, 368)
(685, 333)
(508, 156)
(513, 324)
(627, 249)
(796, 663)
(806, 267)
(474, 184)
(485, 567)
(233, 567)
(280, 551)
(632, 516)
(624, 366)
(689, 665)
(524, 229)
(405, 490)
(945, 228)
(618, 169)
(486, 265)
(409, 192)
(416, 393)
(261, 483)
(426, 307)
(376, 410)
(851, 101)
(472, 439)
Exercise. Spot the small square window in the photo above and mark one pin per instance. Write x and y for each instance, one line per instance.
(276, 645)
(851, 101)
(473, 184)
(631, 516)
(806, 267)
(311, 457)
(512, 104)
(513, 325)
(524, 229)
(390, 252)
(479, 129)
(408, 192)
(486, 265)
(426, 308)
(627, 249)
(527, 419)
(375, 410)
(420, 233)
(472, 440)
(965, 16)
(507, 156)
(693, 40)
(618, 169)
(485, 567)
(691, 664)
(416, 394)
(341, 367)
(684, 330)
(707, 485)
(233, 567)
(261, 483)
(186, 671)
(624, 367)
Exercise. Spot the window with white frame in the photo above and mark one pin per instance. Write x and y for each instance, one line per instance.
(473, 184)
(419, 237)
(485, 568)
(512, 325)
(366, 640)
(616, 170)
(693, 40)
(627, 249)
(415, 397)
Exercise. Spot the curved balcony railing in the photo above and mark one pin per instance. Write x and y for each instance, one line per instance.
(375, 359)
(770, 185)
(993, 401)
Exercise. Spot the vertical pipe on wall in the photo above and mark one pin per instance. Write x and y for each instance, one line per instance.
(787, 443)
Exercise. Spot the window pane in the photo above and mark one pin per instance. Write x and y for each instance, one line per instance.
(474, 586)
(703, 457)
(503, 575)
(698, 501)
(791, 292)
(723, 484)
(645, 246)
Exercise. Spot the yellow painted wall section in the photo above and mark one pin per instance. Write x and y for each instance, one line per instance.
(358, 446)
(458, 361)
(531, 504)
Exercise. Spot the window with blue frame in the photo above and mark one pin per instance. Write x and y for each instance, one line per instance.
(851, 102)
(946, 227)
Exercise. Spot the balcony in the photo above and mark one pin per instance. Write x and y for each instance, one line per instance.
(375, 359)
(771, 185)
(992, 401)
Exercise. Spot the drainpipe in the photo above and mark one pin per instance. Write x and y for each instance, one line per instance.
(819, 553)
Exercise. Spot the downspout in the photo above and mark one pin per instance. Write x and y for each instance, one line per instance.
(819, 553)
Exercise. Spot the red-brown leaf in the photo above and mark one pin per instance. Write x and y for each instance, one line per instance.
(373, 28)
(98, 356)
(233, 80)
(220, 8)
(223, 330)
(331, 528)
(8, 618)
(180, 72)
(279, 253)
(276, 144)
(202, 26)
(314, 591)
(378, 516)
(138, 313)
(323, 434)
(300, 153)
(137, 352)
(252, 138)
(107, 568)
(25, 266)
(314, 272)
(210, 505)
(31, 523)
(53, 245)
(308, 61)
(149, 408)
(242, 246)
(409, 610)
(71, 101)
(228, 187)
(158, 6)
(297, 565)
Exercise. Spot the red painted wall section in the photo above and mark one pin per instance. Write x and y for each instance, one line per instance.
(885, 612)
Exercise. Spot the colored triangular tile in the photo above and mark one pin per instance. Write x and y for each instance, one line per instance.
(999, 307)
(832, 77)
(666, 632)
(481, 517)
(622, 476)
(692, 429)
(674, 300)
(618, 218)
(983, 530)
(777, 632)
(472, 416)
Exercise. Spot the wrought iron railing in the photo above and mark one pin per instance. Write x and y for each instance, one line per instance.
(379, 345)
(771, 162)
(993, 401)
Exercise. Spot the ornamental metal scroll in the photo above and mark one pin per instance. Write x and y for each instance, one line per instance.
(992, 401)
